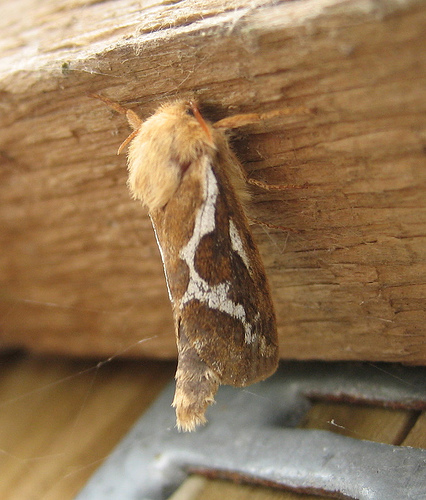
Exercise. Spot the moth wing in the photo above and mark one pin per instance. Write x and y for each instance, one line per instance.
(230, 318)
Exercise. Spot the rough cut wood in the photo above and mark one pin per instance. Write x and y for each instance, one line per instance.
(79, 269)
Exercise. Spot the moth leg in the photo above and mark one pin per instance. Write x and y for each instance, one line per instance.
(196, 386)
(241, 120)
(273, 226)
(134, 120)
(275, 187)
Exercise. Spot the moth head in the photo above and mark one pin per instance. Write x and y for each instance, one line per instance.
(164, 148)
(192, 133)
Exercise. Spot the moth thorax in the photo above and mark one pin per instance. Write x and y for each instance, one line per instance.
(153, 175)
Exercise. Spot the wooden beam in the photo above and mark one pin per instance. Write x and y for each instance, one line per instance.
(79, 269)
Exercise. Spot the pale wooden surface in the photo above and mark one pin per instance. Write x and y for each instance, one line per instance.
(59, 420)
(79, 268)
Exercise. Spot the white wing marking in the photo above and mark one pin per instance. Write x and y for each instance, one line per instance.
(216, 296)
(237, 244)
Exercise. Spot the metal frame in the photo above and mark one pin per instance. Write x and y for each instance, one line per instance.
(251, 434)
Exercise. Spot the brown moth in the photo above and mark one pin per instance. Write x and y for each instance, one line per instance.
(183, 170)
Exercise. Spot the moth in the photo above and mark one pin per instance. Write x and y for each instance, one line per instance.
(182, 169)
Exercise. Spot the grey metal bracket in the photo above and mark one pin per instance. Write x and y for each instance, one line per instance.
(251, 435)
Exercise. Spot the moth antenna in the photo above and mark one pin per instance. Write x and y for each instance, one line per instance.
(200, 120)
(252, 118)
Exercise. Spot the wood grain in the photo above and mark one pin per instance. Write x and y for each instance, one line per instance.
(60, 419)
(79, 269)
